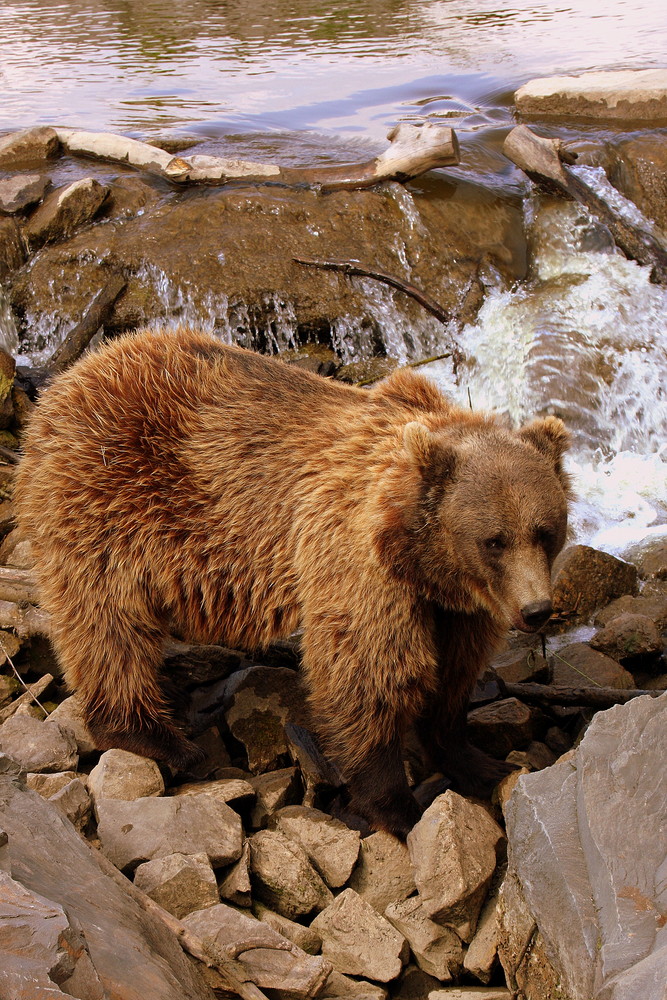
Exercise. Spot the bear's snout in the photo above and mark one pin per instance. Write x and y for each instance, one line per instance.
(535, 614)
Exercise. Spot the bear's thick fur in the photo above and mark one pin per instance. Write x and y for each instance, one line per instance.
(172, 484)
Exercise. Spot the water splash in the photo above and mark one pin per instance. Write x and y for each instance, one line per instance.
(9, 338)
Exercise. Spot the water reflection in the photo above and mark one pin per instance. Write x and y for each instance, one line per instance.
(151, 65)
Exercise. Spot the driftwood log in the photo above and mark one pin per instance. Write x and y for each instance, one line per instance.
(589, 697)
(549, 165)
(413, 150)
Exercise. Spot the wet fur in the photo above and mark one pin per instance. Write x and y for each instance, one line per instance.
(171, 484)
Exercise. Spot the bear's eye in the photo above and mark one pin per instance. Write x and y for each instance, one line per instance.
(545, 537)
(495, 544)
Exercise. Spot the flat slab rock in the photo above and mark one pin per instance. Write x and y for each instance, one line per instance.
(331, 846)
(587, 851)
(147, 828)
(38, 746)
(283, 877)
(123, 775)
(133, 954)
(639, 95)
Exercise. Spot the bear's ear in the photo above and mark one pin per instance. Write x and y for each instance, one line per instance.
(435, 459)
(549, 437)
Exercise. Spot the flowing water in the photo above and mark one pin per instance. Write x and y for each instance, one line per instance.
(301, 82)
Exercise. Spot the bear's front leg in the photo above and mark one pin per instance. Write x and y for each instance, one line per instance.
(380, 793)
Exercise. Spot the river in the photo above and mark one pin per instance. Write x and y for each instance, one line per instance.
(313, 83)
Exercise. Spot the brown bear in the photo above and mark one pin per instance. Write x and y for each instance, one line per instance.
(172, 484)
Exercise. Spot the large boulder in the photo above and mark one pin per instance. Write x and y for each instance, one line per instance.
(626, 95)
(585, 891)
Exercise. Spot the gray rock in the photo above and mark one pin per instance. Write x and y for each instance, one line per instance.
(65, 210)
(123, 775)
(132, 832)
(69, 715)
(331, 846)
(358, 941)
(653, 606)
(577, 665)
(304, 937)
(12, 248)
(235, 791)
(282, 876)
(271, 960)
(639, 95)
(74, 802)
(180, 883)
(133, 953)
(453, 851)
(438, 950)
(273, 791)
(501, 726)
(17, 193)
(258, 703)
(384, 872)
(28, 148)
(235, 886)
(628, 638)
(587, 851)
(536, 756)
(41, 950)
(38, 746)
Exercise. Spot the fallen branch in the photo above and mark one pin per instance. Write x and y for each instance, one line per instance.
(548, 694)
(542, 160)
(352, 268)
(413, 150)
(31, 693)
(24, 619)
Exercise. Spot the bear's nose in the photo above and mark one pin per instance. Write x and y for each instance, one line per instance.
(537, 613)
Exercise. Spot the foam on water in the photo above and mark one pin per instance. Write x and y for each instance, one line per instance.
(586, 339)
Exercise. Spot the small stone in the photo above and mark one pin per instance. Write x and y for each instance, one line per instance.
(216, 755)
(17, 193)
(503, 791)
(259, 702)
(273, 791)
(358, 941)
(630, 95)
(180, 883)
(472, 993)
(501, 726)
(586, 579)
(65, 210)
(330, 845)
(74, 802)
(234, 791)
(413, 984)
(557, 741)
(272, 961)
(578, 665)
(482, 954)
(9, 687)
(535, 757)
(453, 850)
(304, 937)
(282, 876)
(38, 746)
(235, 886)
(340, 987)
(28, 148)
(384, 873)
(628, 638)
(123, 775)
(437, 950)
(650, 558)
(69, 715)
(47, 785)
(516, 666)
(148, 828)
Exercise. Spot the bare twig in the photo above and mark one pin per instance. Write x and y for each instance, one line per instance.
(18, 585)
(32, 692)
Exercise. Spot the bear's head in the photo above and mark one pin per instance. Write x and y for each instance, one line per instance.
(483, 516)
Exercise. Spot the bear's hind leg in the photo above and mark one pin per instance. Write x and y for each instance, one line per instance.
(112, 663)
